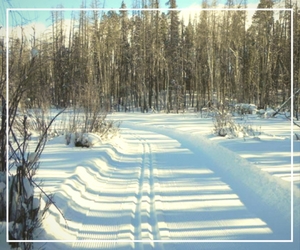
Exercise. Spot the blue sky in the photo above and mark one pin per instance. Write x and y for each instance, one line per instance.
(108, 3)
(37, 15)
(44, 16)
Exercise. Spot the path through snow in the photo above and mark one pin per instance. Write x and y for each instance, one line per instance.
(158, 184)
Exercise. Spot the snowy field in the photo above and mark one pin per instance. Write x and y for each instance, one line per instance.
(166, 178)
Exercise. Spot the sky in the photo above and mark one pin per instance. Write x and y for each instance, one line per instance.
(43, 16)
(41, 20)
(107, 3)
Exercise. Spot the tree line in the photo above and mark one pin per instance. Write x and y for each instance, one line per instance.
(158, 60)
(153, 59)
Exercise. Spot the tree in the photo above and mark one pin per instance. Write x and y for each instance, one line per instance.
(296, 57)
(173, 57)
(2, 105)
(261, 30)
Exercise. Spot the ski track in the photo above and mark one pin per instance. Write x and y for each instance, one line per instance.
(145, 218)
(158, 188)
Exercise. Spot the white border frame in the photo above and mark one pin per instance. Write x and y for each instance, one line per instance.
(160, 9)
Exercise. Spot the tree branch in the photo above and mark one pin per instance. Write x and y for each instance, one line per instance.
(51, 200)
(285, 103)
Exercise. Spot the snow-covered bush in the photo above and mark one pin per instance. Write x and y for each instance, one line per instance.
(25, 213)
(25, 210)
(225, 125)
(82, 140)
(245, 108)
(267, 113)
(78, 131)
(88, 139)
(207, 112)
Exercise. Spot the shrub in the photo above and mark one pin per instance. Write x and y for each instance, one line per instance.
(77, 131)
(225, 125)
(25, 211)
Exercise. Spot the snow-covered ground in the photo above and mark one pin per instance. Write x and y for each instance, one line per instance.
(166, 178)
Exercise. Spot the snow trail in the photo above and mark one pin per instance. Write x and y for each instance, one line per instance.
(145, 217)
(189, 189)
(161, 184)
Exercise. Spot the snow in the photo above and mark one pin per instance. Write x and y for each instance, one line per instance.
(167, 177)
(32, 157)
(28, 188)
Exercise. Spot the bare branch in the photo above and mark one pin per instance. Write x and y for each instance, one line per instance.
(51, 200)
(44, 135)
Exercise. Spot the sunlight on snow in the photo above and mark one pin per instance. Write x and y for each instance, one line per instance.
(149, 185)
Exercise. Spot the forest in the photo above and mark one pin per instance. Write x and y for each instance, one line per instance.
(156, 60)
(152, 60)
